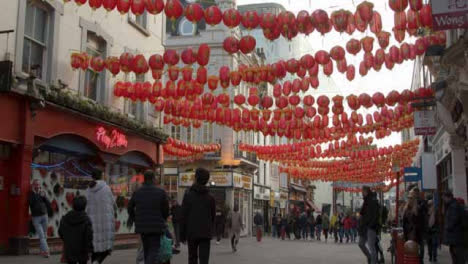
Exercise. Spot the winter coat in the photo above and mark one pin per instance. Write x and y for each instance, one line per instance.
(100, 209)
(347, 222)
(38, 204)
(334, 221)
(258, 219)
(453, 224)
(325, 222)
(176, 213)
(149, 207)
(303, 220)
(411, 228)
(198, 213)
(369, 215)
(236, 223)
(77, 234)
(220, 219)
(318, 220)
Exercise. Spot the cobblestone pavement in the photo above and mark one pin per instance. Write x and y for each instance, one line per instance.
(268, 251)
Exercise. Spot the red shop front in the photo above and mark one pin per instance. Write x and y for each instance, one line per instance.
(59, 146)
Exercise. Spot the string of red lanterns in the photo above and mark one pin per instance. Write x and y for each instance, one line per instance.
(178, 148)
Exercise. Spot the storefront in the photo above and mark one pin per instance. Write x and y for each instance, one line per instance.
(261, 204)
(170, 181)
(59, 147)
(243, 198)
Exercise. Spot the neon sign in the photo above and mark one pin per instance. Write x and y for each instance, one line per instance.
(114, 140)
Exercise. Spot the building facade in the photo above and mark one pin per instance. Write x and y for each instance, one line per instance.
(60, 123)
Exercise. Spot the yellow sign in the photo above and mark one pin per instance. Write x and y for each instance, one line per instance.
(272, 199)
(218, 178)
(242, 181)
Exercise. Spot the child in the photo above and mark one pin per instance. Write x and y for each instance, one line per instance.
(77, 233)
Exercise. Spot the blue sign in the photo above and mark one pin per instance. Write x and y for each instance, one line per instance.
(412, 174)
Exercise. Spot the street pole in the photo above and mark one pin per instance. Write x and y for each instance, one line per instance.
(397, 197)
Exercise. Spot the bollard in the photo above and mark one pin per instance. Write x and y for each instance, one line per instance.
(411, 253)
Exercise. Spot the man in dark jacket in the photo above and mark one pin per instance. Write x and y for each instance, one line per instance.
(176, 213)
(258, 221)
(40, 207)
(77, 233)
(453, 228)
(368, 225)
(198, 216)
(149, 208)
(220, 220)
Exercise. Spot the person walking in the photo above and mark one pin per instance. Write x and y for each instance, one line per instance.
(101, 211)
(76, 231)
(40, 209)
(237, 226)
(149, 209)
(258, 221)
(422, 221)
(220, 221)
(340, 224)
(275, 226)
(176, 212)
(198, 216)
(325, 226)
(333, 226)
(368, 225)
(354, 226)
(453, 228)
(311, 222)
(433, 232)
(318, 226)
(347, 222)
(284, 227)
(303, 225)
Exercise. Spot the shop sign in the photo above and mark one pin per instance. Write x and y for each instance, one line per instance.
(115, 139)
(424, 123)
(449, 14)
(221, 179)
(272, 199)
(283, 196)
(242, 181)
(261, 193)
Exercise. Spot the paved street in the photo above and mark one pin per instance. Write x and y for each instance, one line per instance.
(269, 251)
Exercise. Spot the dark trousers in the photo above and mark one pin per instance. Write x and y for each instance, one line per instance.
(219, 232)
(99, 256)
(151, 245)
(457, 253)
(199, 251)
(432, 245)
(177, 234)
(325, 233)
(421, 251)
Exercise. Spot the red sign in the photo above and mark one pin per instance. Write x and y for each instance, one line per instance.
(114, 140)
(449, 14)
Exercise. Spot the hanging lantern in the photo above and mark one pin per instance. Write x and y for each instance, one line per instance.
(224, 74)
(399, 35)
(292, 66)
(203, 54)
(376, 23)
(321, 21)
(398, 5)
(213, 82)
(405, 51)
(109, 5)
(413, 19)
(139, 64)
(154, 7)
(322, 57)
(328, 68)
(113, 65)
(351, 24)
(235, 77)
(287, 88)
(367, 44)
(173, 11)
(337, 53)
(202, 74)
(156, 62)
(353, 46)
(267, 102)
(157, 74)
(213, 15)
(416, 5)
(384, 39)
(363, 69)
(239, 99)
(342, 65)
(400, 20)
(425, 14)
(126, 62)
(378, 99)
(231, 18)
(94, 4)
(137, 7)
(193, 12)
(188, 56)
(123, 6)
(389, 63)
(307, 61)
(80, 2)
(368, 60)
(173, 73)
(379, 58)
(304, 25)
(76, 60)
(365, 10)
(360, 24)
(247, 44)
(253, 99)
(339, 20)
(97, 64)
(250, 20)
(171, 57)
(267, 21)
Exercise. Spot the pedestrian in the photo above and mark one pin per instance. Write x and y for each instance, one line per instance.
(275, 226)
(77, 233)
(198, 216)
(368, 225)
(149, 209)
(318, 226)
(40, 209)
(101, 211)
(347, 228)
(433, 232)
(412, 226)
(334, 226)
(258, 221)
(325, 226)
(340, 224)
(176, 212)
(237, 226)
(220, 221)
(454, 228)
(284, 227)
(303, 225)
(354, 226)
(311, 221)
(422, 221)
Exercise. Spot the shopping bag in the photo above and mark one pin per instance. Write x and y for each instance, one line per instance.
(165, 251)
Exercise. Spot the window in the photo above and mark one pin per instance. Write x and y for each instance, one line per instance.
(140, 22)
(175, 132)
(131, 107)
(35, 39)
(264, 173)
(96, 47)
(207, 133)
(189, 134)
(187, 28)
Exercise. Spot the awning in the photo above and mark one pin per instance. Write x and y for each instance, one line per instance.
(298, 188)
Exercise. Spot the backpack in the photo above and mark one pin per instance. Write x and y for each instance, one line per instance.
(165, 250)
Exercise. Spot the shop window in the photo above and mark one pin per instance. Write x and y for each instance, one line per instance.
(187, 28)
(36, 41)
(94, 81)
(189, 134)
(175, 132)
(139, 22)
(207, 133)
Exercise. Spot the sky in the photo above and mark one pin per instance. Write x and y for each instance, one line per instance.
(384, 81)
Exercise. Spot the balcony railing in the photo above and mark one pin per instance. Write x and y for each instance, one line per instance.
(238, 154)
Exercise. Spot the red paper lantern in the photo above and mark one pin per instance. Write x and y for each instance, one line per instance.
(365, 100)
(193, 12)
(154, 7)
(328, 68)
(366, 10)
(171, 57)
(213, 82)
(398, 5)
(363, 69)
(307, 61)
(384, 39)
(376, 23)
(321, 21)
(413, 19)
(389, 63)
(113, 65)
(308, 100)
(378, 99)
(203, 54)
(187, 73)
(342, 65)
(173, 10)
(400, 20)
(239, 99)
(202, 74)
(351, 24)
(123, 6)
(353, 46)
(231, 45)
(304, 24)
(267, 21)
(368, 60)
(361, 25)
(405, 51)
(173, 73)
(76, 61)
(156, 62)
(247, 44)
(292, 66)
(339, 20)
(379, 58)
(337, 53)
(322, 57)
(213, 15)
(94, 4)
(138, 7)
(399, 35)
(416, 5)
(250, 20)
(235, 77)
(126, 62)
(109, 5)
(188, 56)
(231, 18)
(80, 2)
(367, 44)
(97, 64)
(267, 102)
(425, 15)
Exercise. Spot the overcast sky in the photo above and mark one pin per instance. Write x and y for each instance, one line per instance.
(384, 81)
